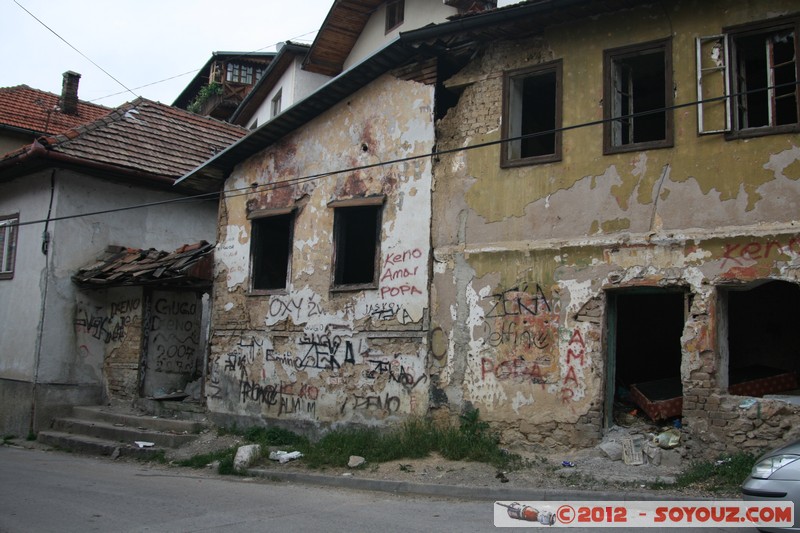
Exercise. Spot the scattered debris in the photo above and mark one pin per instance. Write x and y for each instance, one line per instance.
(502, 477)
(246, 456)
(612, 449)
(355, 461)
(406, 468)
(748, 403)
(284, 457)
(632, 451)
(144, 444)
(115, 453)
(568, 464)
(668, 439)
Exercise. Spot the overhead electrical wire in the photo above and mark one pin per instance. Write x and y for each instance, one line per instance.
(81, 53)
(243, 191)
(127, 90)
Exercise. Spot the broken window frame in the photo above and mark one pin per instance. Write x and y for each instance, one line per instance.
(739, 114)
(395, 14)
(705, 75)
(259, 222)
(9, 231)
(342, 257)
(612, 103)
(514, 110)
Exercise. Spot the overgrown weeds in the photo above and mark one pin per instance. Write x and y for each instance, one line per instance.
(723, 475)
(415, 438)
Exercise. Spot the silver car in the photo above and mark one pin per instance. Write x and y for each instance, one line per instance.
(776, 477)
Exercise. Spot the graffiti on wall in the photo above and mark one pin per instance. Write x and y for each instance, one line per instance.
(293, 375)
(740, 254)
(110, 323)
(174, 334)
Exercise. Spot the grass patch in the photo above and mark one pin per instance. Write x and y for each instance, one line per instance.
(723, 475)
(415, 438)
(8, 438)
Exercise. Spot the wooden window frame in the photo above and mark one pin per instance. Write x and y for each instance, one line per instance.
(338, 206)
(611, 58)
(754, 29)
(512, 107)
(255, 245)
(395, 14)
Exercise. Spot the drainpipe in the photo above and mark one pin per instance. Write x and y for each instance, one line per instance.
(43, 306)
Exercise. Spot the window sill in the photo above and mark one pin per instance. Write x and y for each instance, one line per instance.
(530, 161)
(638, 147)
(355, 287)
(750, 133)
(266, 292)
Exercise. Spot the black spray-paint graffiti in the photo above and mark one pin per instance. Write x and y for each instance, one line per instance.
(324, 352)
(289, 397)
(371, 402)
(395, 371)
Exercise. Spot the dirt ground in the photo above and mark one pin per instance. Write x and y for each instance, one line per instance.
(590, 469)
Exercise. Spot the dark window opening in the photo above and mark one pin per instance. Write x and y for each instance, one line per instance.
(394, 14)
(644, 349)
(270, 251)
(765, 80)
(356, 245)
(638, 93)
(532, 115)
(763, 354)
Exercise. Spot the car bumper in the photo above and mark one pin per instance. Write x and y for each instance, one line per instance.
(773, 490)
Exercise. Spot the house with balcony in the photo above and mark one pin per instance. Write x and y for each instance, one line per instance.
(223, 83)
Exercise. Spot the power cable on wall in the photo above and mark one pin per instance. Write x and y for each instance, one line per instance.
(243, 191)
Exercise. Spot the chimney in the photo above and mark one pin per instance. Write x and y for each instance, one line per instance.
(69, 93)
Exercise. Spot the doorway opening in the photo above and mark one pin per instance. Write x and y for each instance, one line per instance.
(758, 347)
(644, 354)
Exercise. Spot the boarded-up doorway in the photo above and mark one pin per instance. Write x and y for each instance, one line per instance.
(171, 350)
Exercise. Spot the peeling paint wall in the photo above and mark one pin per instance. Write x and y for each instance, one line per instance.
(524, 258)
(306, 355)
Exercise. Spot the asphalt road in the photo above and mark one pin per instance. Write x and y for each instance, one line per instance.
(59, 492)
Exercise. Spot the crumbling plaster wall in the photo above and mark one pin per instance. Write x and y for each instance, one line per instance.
(308, 356)
(523, 256)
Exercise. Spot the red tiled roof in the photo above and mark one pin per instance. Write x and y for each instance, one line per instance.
(142, 142)
(188, 266)
(37, 111)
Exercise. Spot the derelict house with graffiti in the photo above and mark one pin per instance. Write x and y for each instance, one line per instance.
(103, 304)
(634, 242)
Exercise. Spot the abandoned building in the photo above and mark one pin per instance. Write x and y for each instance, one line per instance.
(548, 212)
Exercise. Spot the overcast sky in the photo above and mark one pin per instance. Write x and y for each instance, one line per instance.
(141, 42)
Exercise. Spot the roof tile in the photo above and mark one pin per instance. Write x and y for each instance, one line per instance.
(38, 111)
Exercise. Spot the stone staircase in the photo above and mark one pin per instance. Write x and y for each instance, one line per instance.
(118, 431)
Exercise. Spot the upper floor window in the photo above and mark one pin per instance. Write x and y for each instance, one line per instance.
(532, 115)
(764, 77)
(275, 107)
(356, 243)
(394, 14)
(8, 245)
(638, 97)
(237, 73)
(270, 249)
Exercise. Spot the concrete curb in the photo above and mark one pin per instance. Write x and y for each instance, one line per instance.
(464, 492)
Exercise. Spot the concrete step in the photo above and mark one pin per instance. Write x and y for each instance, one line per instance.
(120, 433)
(94, 446)
(173, 409)
(111, 415)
